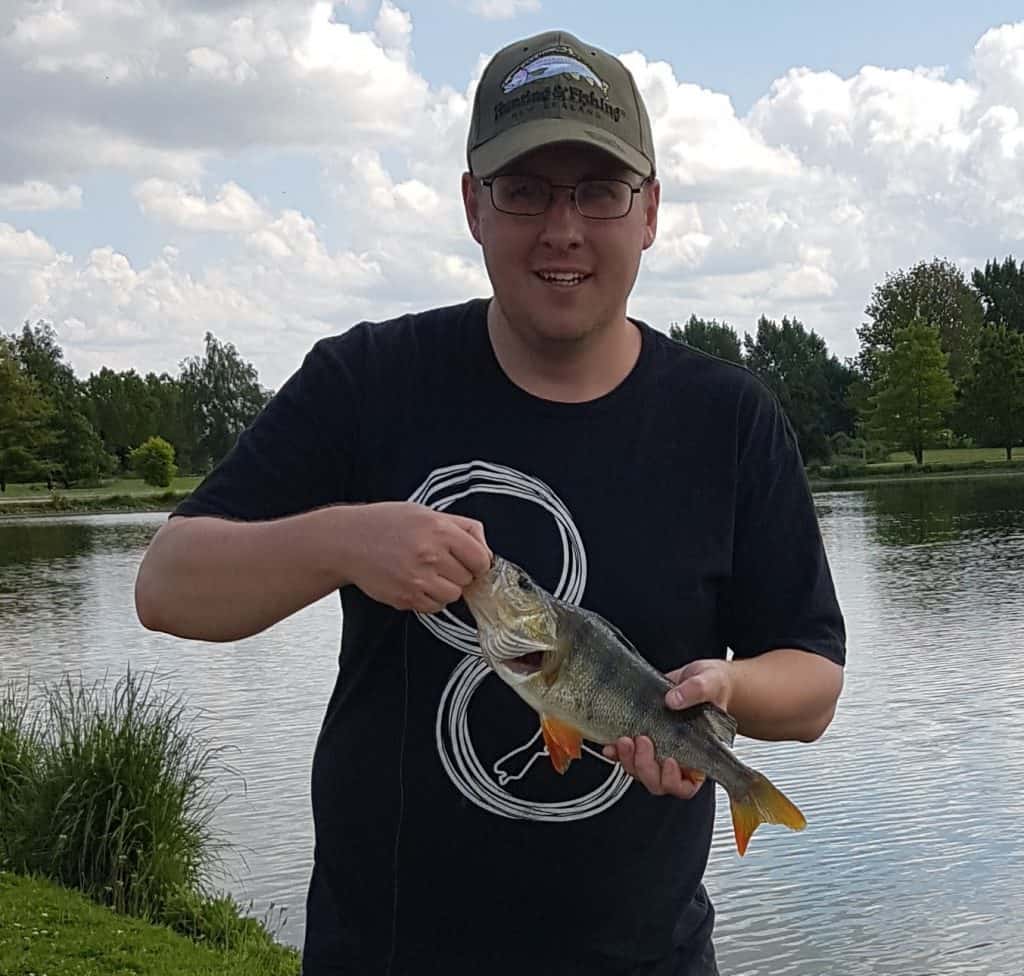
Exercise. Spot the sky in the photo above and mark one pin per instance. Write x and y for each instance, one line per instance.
(275, 171)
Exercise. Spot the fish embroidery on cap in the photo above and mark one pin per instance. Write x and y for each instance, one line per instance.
(550, 63)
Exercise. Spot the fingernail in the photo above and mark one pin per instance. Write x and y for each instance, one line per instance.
(676, 698)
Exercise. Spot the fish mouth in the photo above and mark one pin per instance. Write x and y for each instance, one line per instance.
(526, 664)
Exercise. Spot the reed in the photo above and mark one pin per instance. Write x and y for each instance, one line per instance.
(109, 790)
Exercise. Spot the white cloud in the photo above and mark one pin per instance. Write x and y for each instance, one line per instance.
(22, 247)
(503, 9)
(37, 195)
(797, 207)
(233, 210)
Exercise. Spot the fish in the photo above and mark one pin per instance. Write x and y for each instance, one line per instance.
(586, 680)
(551, 66)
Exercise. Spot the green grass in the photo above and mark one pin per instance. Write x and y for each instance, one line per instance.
(113, 486)
(113, 798)
(46, 930)
(952, 455)
(107, 791)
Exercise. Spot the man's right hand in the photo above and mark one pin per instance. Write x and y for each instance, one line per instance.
(412, 557)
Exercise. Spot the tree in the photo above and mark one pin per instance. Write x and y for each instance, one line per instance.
(1001, 287)
(810, 384)
(913, 391)
(221, 396)
(714, 337)
(24, 415)
(154, 461)
(75, 450)
(992, 401)
(934, 292)
(122, 409)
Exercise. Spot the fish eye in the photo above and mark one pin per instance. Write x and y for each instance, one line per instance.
(524, 581)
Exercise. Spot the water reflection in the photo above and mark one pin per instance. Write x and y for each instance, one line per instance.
(922, 512)
(911, 863)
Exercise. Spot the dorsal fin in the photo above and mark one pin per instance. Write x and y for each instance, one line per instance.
(722, 723)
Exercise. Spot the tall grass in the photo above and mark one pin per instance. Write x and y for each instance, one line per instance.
(108, 790)
(20, 753)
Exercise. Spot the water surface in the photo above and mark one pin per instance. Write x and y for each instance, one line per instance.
(913, 861)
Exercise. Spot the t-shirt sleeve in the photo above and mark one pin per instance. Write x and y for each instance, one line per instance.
(781, 592)
(298, 453)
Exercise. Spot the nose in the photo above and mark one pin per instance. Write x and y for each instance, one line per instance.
(563, 227)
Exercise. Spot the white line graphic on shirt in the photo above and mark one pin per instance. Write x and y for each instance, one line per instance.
(440, 490)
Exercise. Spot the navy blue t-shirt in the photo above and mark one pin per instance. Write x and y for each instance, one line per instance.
(676, 506)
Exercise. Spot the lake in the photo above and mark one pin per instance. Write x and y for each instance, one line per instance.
(913, 860)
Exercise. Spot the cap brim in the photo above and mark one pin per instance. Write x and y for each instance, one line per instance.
(508, 146)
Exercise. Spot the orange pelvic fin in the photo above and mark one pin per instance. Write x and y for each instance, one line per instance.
(762, 803)
(563, 742)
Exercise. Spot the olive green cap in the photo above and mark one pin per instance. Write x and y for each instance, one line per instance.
(554, 88)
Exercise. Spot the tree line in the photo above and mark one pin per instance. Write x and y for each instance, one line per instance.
(57, 428)
(941, 363)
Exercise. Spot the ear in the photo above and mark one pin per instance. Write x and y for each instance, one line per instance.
(651, 198)
(471, 203)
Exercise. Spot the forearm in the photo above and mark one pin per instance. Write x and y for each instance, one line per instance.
(784, 694)
(219, 580)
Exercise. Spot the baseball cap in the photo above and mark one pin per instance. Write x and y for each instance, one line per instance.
(551, 88)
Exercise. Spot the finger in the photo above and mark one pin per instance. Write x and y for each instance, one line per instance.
(470, 549)
(625, 748)
(449, 568)
(473, 527)
(648, 770)
(675, 783)
(692, 691)
(440, 591)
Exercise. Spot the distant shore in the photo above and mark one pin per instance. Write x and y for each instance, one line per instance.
(125, 496)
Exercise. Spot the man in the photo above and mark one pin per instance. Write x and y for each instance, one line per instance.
(630, 474)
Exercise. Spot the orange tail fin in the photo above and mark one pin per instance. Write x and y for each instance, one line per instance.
(762, 803)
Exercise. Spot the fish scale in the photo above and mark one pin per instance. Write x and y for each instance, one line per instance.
(586, 680)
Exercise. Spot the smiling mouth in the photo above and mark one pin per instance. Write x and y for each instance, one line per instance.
(562, 279)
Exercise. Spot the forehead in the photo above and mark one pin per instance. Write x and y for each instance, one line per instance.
(569, 161)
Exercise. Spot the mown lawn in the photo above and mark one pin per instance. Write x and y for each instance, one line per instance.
(46, 930)
(114, 486)
(952, 455)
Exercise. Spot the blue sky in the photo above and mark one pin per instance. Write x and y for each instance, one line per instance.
(274, 170)
(738, 48)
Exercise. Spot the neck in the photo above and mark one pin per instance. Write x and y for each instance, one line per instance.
(566, 371)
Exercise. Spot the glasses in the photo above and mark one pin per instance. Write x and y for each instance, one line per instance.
(529, 196)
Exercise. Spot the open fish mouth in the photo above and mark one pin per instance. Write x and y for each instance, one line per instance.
(525, 664)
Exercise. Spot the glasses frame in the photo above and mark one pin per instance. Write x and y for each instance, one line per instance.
(488, 181)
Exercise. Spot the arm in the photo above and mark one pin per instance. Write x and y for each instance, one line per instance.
(219, 580)
(783, 694)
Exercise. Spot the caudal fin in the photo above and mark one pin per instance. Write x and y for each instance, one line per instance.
(762, 803)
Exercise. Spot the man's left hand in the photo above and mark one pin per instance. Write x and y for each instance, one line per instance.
(699, 681)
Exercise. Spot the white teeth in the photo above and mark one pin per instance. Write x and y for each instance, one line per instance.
(559, 278)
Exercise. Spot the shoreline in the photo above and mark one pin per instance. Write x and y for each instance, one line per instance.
(145, 503)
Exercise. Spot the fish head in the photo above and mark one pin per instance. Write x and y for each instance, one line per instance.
(516, 621)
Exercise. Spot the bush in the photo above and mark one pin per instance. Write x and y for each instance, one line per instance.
(154, 462)
(114, 801)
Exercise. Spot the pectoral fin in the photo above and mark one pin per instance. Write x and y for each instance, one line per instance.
(563, 742)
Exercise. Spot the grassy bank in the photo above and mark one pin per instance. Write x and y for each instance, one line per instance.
(938, 464)
(47, 930)
(107, 792)
(117, 495)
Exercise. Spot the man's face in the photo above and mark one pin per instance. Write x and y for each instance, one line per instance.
(560, 275)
